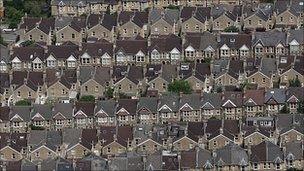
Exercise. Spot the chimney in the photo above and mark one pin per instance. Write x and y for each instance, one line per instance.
(39, 166)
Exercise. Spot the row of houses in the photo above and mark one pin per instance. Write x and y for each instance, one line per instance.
(259, 143)
(282, 15)
(165, 109)
(79, 7)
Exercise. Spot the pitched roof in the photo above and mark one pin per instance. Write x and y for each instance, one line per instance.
(200, 13)
(266, 152)
(107, 106)
(132, 45)
(205, 41)
(140, 18)
(270, 38)
(171, 16)
(254, 98)
(231, 154)
(128, 104)
(160, 43)
(149, 103)
(28, 53)
(106, 20)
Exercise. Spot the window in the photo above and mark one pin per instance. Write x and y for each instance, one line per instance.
(249, 22)
(73, 36)
(281, 19)
(165, 29)
(86, 88)
(41, 37)
(18, 94)
(31, 37)
(13, 156)
(62, 35)
(93, 33)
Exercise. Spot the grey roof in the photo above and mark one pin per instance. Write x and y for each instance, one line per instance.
(211, 100)
(86, 73)
(263, 10)
(63, 21)
(22, 111)
(108, 106)
(168, 72)
(231, 154)
(4, 53)
(71, 136)
(36, 138)
(44, 110)
(48, 164)
(118, 163)
(276, 94)
(270, 38)
(142, 132)
(66, 109)
(193, 100)
(268, 66)
(171, 16)
(135, 162)
(27, 165)
(53, 139)
(100, 74)
(154, 161)
(94, 159)
(297, 35)
(204, 158)
(266, 151)
(220, 66)
(171, 100)
(294, 151)
(149, 103)
(201, 41)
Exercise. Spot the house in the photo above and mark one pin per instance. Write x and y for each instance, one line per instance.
(211, 105)
(189, 107)
(162, 52)
(84, 114)
(41, 116)
(294, 95)
(231, 156)
(133, 23)
(28, 85)
(63, 56)
(291, 68)
(4, 58)
(200, 46)
(274, 100)
(102, 26)
(168, 109)
(100, 52)
(131, 51)
(164, 22)
(288, 14)
(224, 16)
(269, 44)
(94, 80)
(63, 115)
(28, 58)
(128, 80)
(126, 111)
(145, 142)
(195, 19)
(13, 146)
(36, 29)
(105, 113)
(147, 110)
(44, 144)
(19, 118)
(66, 8)
(134, 5)
(70, 29)
(75, 143)
(253, 101)
(293, 155)
(295, 41)
(61, 85)
(234, 45)
(254, 135)
(260, 158)
(5, 90)
(258, 16)
(162, 78)
(264, 74)
(4, 119)
(232, 75)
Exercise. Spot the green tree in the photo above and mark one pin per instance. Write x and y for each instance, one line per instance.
(23, 103)
(285, 109)
(2, 42)
(33, 127)
(300, 108)
(33, 8)
(13, 16)
(231, 29)
(219, 89)
(295, 82)
(109, 92)
(87, 98)
(180, 86)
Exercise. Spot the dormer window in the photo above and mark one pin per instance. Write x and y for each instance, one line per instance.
(232, 40)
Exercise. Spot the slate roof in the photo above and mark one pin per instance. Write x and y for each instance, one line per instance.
(89, 138)
(71, 136)
(294, 151)
(266, 152)
(149, 103)
(231, 154)
(193, 100)
(201, 41)
(28, 53)
(160, 43)
(154, 161)
(5, 82)
(135, 74)
(63, 51)
(108, 106)
(235, 40)
(169, 100)
(22, 111)
(85, 107)
(132, 46)
(128, 104)
(231, 12)
(106, 20)
(270, 38)
(4, 114)
(276, 96)
(43, 24)
(211, 101)
(262, 10)
(124, 134)
(97, 49)
(235, 97)
(44, 110)
(254, 98)
(171, 16)
(4, 53)
(140, 18)
(106, 135)
(66, 109)
(202, 14)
